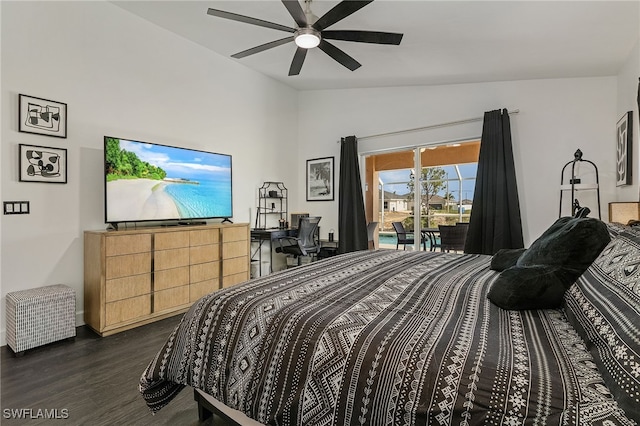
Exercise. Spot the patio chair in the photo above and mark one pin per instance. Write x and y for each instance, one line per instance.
(453, 237)
(403, 237)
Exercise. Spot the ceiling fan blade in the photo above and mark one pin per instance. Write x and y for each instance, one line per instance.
(339, 12)
(339, 55)
(364, 36)
(262, 47)
(298, 60)
(296, 12)
(249, 20)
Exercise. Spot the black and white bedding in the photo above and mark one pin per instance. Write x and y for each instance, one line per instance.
(385, 338)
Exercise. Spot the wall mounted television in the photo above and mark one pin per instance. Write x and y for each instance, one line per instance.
(152, 182)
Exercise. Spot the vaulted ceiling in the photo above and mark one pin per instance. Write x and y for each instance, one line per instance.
(445, 42)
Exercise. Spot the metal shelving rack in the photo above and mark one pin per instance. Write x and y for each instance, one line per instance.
(273, 206)
(575, 183)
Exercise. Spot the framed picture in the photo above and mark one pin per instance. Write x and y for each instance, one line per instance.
(320, 179)
(42, 116)
(42, 164)
(624, 145)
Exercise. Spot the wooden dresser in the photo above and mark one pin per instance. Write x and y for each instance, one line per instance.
(134, 277)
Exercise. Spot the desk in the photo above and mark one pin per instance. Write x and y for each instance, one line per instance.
(328, 249)
(271, 235)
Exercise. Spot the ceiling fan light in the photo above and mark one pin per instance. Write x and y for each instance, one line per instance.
(307, 38)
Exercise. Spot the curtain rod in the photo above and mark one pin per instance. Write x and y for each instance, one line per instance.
(432, 126)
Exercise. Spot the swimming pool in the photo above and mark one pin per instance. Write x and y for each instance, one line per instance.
(387, 238)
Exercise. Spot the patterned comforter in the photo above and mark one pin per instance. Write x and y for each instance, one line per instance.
(383, 338)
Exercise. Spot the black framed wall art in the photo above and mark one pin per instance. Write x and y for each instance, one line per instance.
(42, 116)
(320, 179)
(42, 164)
(624, 144)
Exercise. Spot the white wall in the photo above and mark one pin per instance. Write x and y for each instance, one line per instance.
(121, 76)
(556, 117)
(628, 101)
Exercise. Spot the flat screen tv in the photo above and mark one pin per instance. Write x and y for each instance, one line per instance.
(151, 182)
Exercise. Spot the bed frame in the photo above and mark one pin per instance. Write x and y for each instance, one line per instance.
(208, 406)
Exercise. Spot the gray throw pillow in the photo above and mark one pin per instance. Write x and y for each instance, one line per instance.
(554, 261)
(505, 258)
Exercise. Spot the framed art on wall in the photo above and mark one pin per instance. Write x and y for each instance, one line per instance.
(42, 164)
(624, 156)
(42, 116)
(320, 179)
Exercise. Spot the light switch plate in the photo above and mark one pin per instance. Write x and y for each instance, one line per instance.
(16, 207)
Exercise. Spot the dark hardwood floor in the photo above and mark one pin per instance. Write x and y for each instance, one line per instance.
(94, 380)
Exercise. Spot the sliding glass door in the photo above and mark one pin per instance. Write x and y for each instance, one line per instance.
(440, 193)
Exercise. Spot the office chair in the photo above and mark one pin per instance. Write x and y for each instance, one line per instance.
(305, 244)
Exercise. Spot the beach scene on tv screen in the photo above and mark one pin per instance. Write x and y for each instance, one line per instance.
(155, 182)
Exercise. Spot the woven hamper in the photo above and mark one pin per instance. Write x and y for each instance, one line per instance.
(39, 316)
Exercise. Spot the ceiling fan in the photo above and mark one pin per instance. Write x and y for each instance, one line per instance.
(310, 31)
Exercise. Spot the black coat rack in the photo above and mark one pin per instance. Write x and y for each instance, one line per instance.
(575, 184)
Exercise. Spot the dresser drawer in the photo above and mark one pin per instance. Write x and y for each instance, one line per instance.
(204, 253)
(235, 249)
(199, 289)
(167, 259)
(204, 271)
(171, 240)
(170, 278)
(127, 309)
(234, 234)
(117, 245)
(233, 279)
(204, 236)
(235, 265)
(170, 298)
(124, 288)
(127, 265)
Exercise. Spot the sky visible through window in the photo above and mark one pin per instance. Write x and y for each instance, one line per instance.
(395, 181)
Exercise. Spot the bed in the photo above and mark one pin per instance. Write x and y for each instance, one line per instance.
(388, 337)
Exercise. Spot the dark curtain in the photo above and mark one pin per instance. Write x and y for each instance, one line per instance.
(352, 223)
(495, 221)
